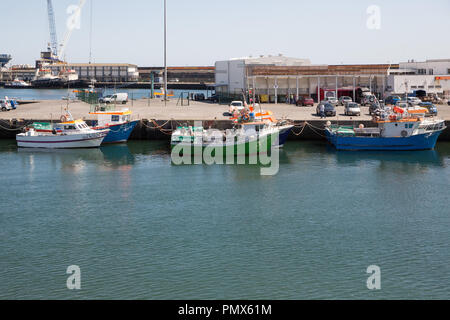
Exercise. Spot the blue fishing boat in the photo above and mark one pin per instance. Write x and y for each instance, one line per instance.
(118, 122)
(402, 129)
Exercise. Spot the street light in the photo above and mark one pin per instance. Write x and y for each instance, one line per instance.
(165, 52)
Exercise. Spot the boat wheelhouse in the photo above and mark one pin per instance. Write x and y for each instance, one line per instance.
(117, 121)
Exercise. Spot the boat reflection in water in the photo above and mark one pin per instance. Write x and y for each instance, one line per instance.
(108, 158)
(111, 157)
(394, 160)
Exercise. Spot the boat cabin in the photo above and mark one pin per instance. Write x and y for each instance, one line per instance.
(76, 125)
(110, 117)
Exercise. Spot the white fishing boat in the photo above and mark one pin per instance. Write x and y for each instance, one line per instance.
(17, 84)
(66, 135)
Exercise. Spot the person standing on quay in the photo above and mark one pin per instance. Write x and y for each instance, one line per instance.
(322, 111)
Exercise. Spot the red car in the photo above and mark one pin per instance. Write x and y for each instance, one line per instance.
(305, 101)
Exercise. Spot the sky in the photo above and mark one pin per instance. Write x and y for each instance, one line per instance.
(201, 32)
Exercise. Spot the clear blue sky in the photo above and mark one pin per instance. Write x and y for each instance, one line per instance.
(201, 32)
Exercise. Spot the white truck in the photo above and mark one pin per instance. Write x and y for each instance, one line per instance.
(115, 98)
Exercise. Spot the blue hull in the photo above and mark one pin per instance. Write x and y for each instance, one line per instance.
(120, 133)
(284, 136)
(425, 141)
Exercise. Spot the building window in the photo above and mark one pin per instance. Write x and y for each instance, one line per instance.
(422, 71)
(430, 72)
(448, 71)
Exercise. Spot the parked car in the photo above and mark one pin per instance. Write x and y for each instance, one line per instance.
(330, 111)
(432, 110)
(414, 101)
(4, 105)
(115, 98)
(392, 100)
(199, 97)
(333, 101)
(352, 109)
(305, 101)
(344, 100)
(368, 100)
(238, 105)
(214, 98)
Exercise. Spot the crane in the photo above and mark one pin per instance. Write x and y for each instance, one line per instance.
(52, 27)
(58, 51)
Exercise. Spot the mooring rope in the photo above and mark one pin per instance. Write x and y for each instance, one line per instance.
(157, 127)
(305, 124)
(12, 130)
(314, 130)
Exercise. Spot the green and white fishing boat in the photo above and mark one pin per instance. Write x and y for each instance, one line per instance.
(244, 139)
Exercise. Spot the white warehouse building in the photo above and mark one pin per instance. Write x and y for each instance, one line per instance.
(277, 78)
(232, 75)
(431, 76)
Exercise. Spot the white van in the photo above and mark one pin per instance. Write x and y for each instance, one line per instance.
(115, 98)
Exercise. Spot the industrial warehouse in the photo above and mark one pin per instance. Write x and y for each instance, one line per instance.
(276, 79)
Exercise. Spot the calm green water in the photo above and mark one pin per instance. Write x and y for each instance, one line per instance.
(141, 228)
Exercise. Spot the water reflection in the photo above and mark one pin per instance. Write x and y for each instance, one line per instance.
(110, 157)
(423, 158)
(124, 156)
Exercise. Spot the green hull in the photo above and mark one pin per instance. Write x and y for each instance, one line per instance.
(248, 148)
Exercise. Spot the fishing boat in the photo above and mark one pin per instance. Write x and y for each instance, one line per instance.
(66, 135)
(17, 84)
(248, 114)
(244, 139)
(397, 129)
(117, 121)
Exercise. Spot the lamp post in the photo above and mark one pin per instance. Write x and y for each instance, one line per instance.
(165, 52)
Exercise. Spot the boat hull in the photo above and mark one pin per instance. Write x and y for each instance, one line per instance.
(119, 133)
(76, 141)
(426, 141)
(284, 134)
(247, 148)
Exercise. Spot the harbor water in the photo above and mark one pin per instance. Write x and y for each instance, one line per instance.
(57, 94)
(140, 227)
